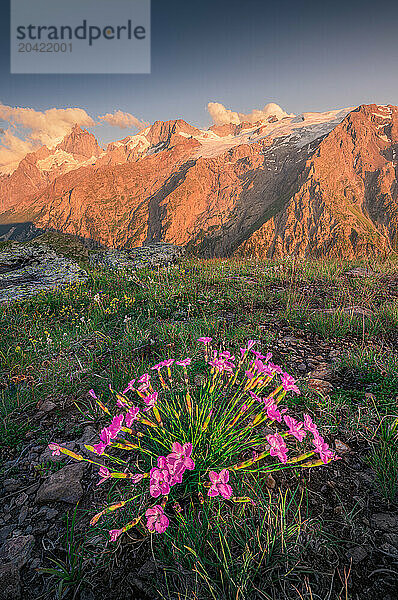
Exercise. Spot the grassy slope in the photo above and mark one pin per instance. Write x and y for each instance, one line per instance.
(58, 346)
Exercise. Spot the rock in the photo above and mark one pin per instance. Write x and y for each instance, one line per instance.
(11, 485)
(392, 539)
(357, 554)
(390, 550)
(21, 499)
(31, 268)
(46, 407)
(320, 385)
(360, 272)
(22, 515)
(10, 582)
(17, 550)
(5, 532)
(341, 447)
(62, 486)
(154, 254)
(32, 489)
(90, 436)
(385, 522)
(322, 371)
(270, 482)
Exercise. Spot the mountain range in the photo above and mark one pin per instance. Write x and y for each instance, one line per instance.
(317, 184)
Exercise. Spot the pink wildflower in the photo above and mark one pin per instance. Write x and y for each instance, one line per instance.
(289, 383)
(99, 448)
(323, 449)
(295, 428)
(262, 357)
(273, 412)
(184, 363)
(56, 449)
(129, 386)
(115, 426)
(278, 446)
(255, 397)
(181, 454)
(144, 379)
(259, 366)
(136, 478)
(221, 364)
(168, 362)
(131, 416)
(275, 368)
(205, 340)
(251, 343)
(310, 425)
(249, 374)
(92, 394)
(159, 483)
(105, 436)
(104, 473)
(175, 469)
(227, 356)
(114, 534)
(158, 366)
(268, 371)
(156, 519)
(219, 484)
(150, 401)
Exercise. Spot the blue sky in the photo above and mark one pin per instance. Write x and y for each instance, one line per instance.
(302, 55)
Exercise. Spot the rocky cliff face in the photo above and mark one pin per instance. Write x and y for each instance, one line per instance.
(321, 184)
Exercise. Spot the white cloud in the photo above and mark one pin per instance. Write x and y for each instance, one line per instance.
(222, 115)
(123, 120)
(29, 129)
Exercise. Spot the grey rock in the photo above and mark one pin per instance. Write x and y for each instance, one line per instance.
(62, 486)
(17, 550)
(22, 515)
(155, 254)
(31, 268)
(357, 554)
(32, 489)
(385, 522)
(46, 407)
(10, 582)
(21, 499)
(5, 532)
(11, 485)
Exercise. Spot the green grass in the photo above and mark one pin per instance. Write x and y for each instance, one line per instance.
(59, 345)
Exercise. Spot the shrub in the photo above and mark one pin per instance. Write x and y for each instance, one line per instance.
(189, 443)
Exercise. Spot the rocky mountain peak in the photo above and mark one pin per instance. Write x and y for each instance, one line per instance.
(80, 142)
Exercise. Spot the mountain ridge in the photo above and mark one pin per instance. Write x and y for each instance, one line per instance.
(320, 184)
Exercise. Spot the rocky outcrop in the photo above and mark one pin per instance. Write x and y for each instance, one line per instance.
(27, 270)
(150, 256)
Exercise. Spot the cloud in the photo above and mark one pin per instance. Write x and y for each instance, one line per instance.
(12, 150)
(123, 120)
(29, 129)
(222, 115)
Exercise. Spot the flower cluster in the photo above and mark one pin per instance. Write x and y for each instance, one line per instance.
(218, 427)
(170, 469)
